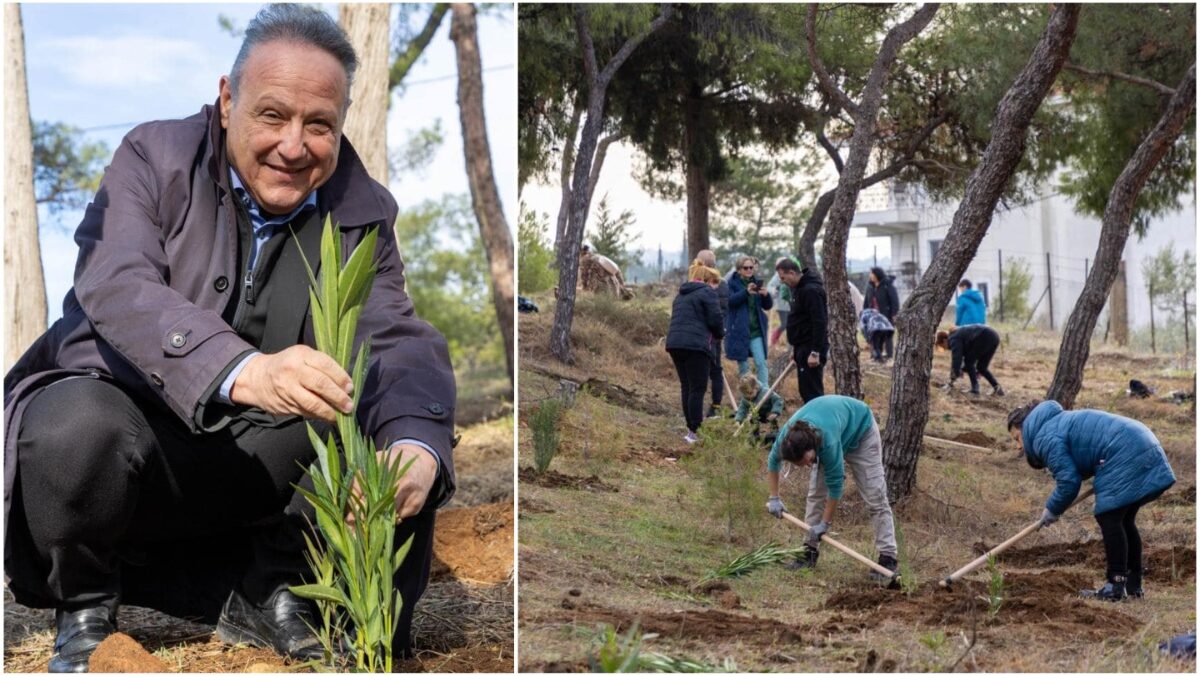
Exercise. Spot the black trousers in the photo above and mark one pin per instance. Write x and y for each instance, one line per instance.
(880, 340)
(716, 374)
(811, 380)
(976, 361)
(693, 367)
(118, 502)
(1122, 542)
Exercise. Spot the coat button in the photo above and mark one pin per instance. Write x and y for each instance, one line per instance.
(435, 408)
(178, 340)
(156, 379)
(221, 284)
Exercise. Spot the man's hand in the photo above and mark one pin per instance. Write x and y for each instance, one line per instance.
(814, 535)
(775, 507)
(773, 417)
(296, 381)
(814, 360)
(1047, 518)
(413, 489)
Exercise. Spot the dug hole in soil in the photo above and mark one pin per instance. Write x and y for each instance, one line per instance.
(474, 544)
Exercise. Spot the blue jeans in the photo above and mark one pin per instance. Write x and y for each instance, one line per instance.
(759, 352)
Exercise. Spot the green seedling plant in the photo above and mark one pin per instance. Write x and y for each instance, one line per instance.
(544, 423)
(995, 588)
(624, 654)
(767, 554)
(355, 560)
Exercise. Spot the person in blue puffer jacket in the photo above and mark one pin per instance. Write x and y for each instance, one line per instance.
(969, 308)
(1130, 469)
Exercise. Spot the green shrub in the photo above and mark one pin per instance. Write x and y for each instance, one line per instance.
(728, 468)
(535, 254)
(641, 321)
(544, 423)
(1014, 299)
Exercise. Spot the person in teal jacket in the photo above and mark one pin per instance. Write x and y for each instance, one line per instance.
(834, 432)
(1130, 469)
(769, 407)
(969, 308)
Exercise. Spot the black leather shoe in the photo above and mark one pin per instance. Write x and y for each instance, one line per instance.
(79, 633)
(279, 625)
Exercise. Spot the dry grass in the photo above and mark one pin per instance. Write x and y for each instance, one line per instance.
(636, 552)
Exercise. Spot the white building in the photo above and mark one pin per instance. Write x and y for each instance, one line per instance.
(1046, 229)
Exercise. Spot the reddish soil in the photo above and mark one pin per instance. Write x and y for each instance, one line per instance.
(1047, 599)
(474, 544)
(975, 438)
(119, 653)
(477, 659)
(1173, 565)
(554, 479)
(709, 626)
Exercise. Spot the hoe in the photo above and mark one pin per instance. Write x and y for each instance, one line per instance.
(982, 560)
(893, 577)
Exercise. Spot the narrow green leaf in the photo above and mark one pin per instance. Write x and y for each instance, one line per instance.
(355, 277)
(401, 554)
(320, 592)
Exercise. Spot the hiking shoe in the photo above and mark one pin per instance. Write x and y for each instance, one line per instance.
(690, 437)
(712, 412)
(1113, 591)
(887, 562)
(997, 390)
(805, 562)
(1133, 585)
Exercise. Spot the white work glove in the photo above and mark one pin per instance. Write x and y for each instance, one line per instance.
(775, 507)
(814, 534)
(1048, 518)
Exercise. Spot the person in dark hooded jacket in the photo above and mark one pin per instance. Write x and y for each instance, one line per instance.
(882, 297)
(971, 349)
(807, 326)
(1130, 469)
(696, 323)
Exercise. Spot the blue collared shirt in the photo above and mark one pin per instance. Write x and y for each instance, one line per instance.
(265, 226)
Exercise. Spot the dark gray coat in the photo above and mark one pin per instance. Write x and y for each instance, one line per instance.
(158, 250)
(696, 319)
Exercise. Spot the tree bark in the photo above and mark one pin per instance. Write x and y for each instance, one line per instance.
(908, 405)
(367, 25)
(24, 285)
(568, 254)
(1114, 232)
(843, 331)
(564, 178)
(406, 59)
(699, 189)
(485, 198)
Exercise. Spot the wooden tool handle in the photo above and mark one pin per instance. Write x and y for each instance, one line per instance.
(1003, 546)
(843, 548)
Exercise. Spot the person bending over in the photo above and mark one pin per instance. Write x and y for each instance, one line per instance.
(769, 407)
(1130, 469)
(971, 349)
(834, 432)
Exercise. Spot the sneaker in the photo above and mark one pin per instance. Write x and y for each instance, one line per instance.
(997, 390)
(1113, 591)
(806, 561)
(974, 392)
(887, 562)
(690, 437)
(712, 412)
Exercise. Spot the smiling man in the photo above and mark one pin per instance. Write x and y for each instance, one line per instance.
(155, 433)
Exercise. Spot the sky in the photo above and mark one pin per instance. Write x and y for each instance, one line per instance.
(107, 67)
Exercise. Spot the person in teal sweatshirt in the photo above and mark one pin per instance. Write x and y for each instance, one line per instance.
(768, 411)
(834, 432)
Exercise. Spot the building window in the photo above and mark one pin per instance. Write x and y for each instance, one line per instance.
(934, 245)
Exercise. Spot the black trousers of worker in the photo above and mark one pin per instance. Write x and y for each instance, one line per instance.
(692, 366)
(811, 380)
(716, 374)
(979, 357)
(117, 502)
(1122, 541)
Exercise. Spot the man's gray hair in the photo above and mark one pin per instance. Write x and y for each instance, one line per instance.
(295, 23)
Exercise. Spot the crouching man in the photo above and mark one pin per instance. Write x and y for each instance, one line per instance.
(834, 432)
(155, 433)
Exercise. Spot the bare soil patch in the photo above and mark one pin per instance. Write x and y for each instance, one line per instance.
(474, 544)
(1166, 565)
(975, 438)
(554, 479)
(709, 625)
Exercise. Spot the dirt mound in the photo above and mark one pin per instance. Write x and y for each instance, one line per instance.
(474, 544)
(975, 438)
(1089, 553)
(554, 479)
(711, 626)
(1175, 565)
(120, 653)
(1047, 599)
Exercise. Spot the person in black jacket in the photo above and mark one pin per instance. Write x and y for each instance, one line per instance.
(972, 348)
(696, 323)
(881, 296)
(715, 373)
(807, 326)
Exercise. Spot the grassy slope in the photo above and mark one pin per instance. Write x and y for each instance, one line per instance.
(590, 557)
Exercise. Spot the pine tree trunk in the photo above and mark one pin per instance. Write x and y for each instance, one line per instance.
(843, 329)
(568, 253)
(808, 240)
(368, 27)
(485, 198)
(698, 191)
(564, 178)
(1114, 232)
(24, 285)
(908, 405)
